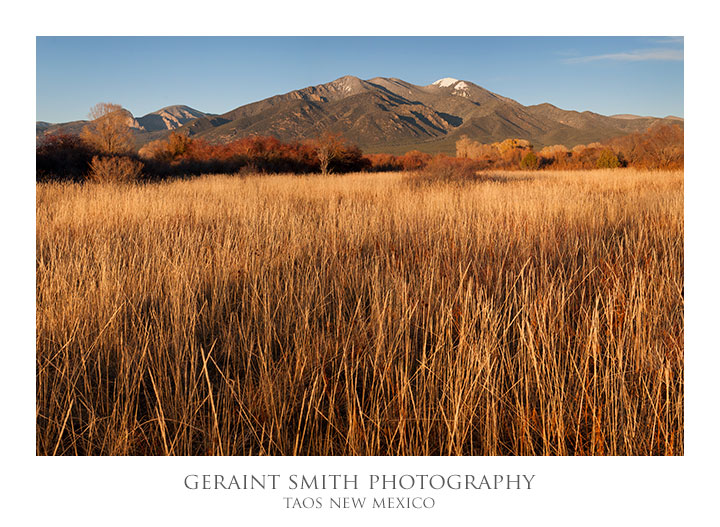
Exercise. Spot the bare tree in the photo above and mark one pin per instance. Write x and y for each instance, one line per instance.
(463, 146)
(329, 147)
(109, 131)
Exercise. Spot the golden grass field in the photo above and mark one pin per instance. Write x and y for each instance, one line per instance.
(536, 313)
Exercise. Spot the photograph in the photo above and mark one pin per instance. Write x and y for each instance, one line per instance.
(323, 263)
(359, 246)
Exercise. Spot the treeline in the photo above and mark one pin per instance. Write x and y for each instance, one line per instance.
(75, 158)
(180, 154)
(103, 152)
(659, 147)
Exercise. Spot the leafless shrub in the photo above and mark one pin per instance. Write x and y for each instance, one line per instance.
(114, 169)
(442, 169)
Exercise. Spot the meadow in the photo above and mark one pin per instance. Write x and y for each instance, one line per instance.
(526, 313)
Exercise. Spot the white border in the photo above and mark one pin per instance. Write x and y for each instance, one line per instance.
(148, 491)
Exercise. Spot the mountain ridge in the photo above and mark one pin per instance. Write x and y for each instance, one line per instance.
(387, 114)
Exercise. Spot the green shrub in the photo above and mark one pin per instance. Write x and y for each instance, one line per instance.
(607, 159)
(530, 161)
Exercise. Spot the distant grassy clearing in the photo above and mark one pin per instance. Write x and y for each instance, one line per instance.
(540, 313)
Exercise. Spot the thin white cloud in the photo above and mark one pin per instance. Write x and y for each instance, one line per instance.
(637, 55)
(670, 40)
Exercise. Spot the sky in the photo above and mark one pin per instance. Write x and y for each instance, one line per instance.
(607, 75)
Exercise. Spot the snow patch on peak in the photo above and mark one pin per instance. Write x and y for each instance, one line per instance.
(445, 83)
(461, 88)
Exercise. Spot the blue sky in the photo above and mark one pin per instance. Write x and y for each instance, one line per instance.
(608, 75)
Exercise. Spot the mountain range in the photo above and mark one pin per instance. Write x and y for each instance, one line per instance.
(386, 115)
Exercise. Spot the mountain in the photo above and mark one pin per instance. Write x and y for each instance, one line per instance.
(169, 118)
(391, 115)
(631, 116)
(163, 120)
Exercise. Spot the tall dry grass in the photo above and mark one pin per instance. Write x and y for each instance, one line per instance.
(532, 313)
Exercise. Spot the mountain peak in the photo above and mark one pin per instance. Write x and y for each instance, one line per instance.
(349, 84)
(169, 118)
(445, 82)
(175, 107)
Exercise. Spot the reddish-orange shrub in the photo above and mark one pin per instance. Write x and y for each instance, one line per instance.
(383, 162)
(660, 146)
(414, 160)
(185, 155)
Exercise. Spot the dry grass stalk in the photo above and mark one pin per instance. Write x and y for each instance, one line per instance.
(538, 313)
